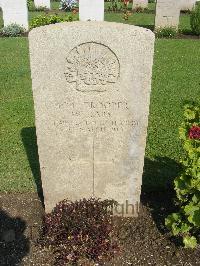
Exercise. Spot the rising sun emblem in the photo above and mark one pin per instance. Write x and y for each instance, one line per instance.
(92, 67)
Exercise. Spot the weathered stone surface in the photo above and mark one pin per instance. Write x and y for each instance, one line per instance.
(42, 3)
(91, 86)
(188, 4)
(15, 12)
(92, 10)
(167, 13)
(140, 3)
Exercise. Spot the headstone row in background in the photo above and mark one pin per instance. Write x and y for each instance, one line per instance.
(183, 4)
(140, 3)
(16, 11)
(187, 4)
(91, 10)
(42, 3)
(168, 12)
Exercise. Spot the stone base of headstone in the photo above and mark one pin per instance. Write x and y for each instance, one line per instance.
(126, 209)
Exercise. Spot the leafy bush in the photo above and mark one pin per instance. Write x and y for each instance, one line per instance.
(30, 5)
(186, 222)
(166, 32)
(68, 5)
(195, 20)
(80, 230)
(115, 5)
(48, 19)
(12, 30)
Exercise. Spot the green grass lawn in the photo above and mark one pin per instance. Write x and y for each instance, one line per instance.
(176, 80)
(146, 20)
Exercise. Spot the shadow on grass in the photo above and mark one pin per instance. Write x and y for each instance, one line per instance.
(14, 246)
(29, 140)
(159, 173)
(150, 27)
(158, 191)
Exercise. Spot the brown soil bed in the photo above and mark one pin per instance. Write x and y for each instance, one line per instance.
(144, 240)
(187, 36)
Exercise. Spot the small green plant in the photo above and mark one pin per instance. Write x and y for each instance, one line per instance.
(186, 222)
(115, 6)
(12, 30)
(30, 5)
(195, 20)
(166, 32)
(48, 19)
(80, 230)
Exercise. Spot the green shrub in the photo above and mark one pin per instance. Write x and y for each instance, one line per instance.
(48, 19)
(30, 5)
(195, 20)
(115, 6)
(166, 32)
(12, 30)
(186, 222)
(146, 10)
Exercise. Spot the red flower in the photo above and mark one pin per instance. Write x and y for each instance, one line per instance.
(194, 132)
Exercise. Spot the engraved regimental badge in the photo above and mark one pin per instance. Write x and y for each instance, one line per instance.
(92, 67)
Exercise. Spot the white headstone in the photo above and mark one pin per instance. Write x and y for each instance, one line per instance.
(140, 3)
(42, 3)
(91, 10)
(188, 4)
(167, 13)
(15, 11)
(91, 94)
